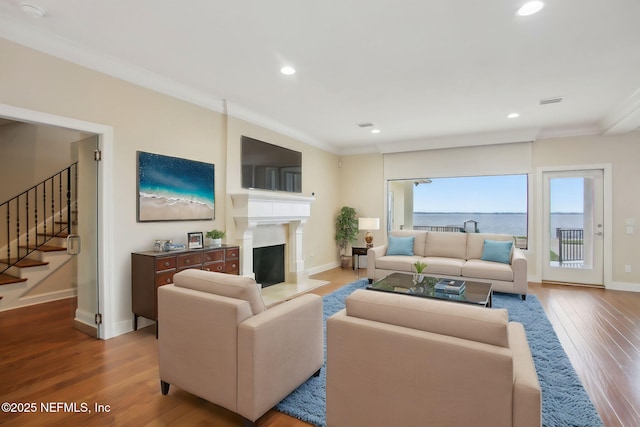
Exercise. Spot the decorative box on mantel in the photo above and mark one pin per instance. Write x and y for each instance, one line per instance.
(252, 210)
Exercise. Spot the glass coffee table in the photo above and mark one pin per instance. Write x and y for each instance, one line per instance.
(477, 293)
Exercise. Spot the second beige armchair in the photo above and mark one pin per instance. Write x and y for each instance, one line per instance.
(397, 360)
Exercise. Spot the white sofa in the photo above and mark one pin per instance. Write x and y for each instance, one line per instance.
(453, 255)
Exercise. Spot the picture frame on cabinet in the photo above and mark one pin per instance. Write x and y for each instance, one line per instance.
(195, 240)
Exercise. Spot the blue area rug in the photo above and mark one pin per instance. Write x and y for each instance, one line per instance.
(564, 400)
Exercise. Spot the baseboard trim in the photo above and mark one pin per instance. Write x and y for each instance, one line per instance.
(43, 298)
(624, 286)
(323, 268)
(85, 329)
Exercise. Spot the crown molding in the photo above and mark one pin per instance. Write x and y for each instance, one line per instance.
(245, 114)
(62, 48)
(457, 141)
(566, 132)
(83, 56)
(624, 118)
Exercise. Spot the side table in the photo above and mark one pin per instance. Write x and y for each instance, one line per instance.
(355, 254)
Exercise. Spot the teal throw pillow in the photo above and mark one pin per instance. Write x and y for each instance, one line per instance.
(400, 246)
(497, 251)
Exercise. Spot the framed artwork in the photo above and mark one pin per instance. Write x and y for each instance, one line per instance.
(174, 189)
(195, 240)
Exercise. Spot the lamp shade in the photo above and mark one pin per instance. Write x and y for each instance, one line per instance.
(369, 223)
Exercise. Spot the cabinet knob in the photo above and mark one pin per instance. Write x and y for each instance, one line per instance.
(166, 264)
(219, 268)
(188, 261)
(168, 280)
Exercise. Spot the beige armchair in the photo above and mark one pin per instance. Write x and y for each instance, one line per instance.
(218, 341)
(408, 361)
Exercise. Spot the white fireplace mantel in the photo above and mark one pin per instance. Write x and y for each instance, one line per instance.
(251, 210)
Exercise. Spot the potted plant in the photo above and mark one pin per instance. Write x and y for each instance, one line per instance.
(419, 266)
(216, 237)
(346, 232)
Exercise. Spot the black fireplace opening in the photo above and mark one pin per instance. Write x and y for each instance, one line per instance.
(268, 265)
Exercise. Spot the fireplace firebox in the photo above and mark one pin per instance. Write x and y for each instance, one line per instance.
(268, 265)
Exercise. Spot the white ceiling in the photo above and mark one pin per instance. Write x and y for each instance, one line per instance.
(427, 73)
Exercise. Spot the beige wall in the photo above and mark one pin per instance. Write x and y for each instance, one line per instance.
(141, 120)
(319, 176)
(145, 120)
(363, 188)
(622, 152)
(148, 121)
(20, 144)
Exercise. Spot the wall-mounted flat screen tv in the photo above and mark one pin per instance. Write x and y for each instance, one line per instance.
(270, 167)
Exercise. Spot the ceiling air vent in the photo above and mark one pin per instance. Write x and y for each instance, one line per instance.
(365, 125)
(551, 100)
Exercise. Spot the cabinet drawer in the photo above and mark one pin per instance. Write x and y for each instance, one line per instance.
(213, 256)
(232, 253)
(232, 267)
(165, 263)
(190, 260)
(218, 267)
(165, 277)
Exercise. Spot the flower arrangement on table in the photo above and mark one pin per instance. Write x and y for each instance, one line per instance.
(418, 276)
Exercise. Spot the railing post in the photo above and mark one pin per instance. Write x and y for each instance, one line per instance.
(560, 245)
(69, 200)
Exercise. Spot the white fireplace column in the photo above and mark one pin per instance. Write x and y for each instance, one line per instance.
(245, 240)
(251, 210)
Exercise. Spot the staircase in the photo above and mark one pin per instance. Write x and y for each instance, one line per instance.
(33, 239)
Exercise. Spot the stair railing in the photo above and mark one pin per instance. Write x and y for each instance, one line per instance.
(36, 216)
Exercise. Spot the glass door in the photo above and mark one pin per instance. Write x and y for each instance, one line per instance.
(85, 231)
(573, 242)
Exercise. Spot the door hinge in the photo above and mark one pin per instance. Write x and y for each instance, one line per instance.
(97, 155)
(98, 319)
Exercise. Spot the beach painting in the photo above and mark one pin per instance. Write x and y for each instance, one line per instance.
(174, 189)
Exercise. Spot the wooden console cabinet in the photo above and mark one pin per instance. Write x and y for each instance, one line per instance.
(150, 270)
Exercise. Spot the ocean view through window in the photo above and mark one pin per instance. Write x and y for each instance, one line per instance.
(485, 204)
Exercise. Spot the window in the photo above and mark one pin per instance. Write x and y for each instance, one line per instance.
(485, 204)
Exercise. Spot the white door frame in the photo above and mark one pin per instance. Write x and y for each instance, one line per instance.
(608, 215)
(105, 226)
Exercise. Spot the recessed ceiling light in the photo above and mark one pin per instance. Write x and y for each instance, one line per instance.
(530, 8)
(513, 115)
(375, 130)
(288, 70)
(32, 10)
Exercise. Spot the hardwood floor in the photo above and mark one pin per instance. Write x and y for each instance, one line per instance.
(45, 361)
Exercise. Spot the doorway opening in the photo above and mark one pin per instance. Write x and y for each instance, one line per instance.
(92, 299)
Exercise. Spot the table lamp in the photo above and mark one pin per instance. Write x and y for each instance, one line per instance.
(369, 224)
